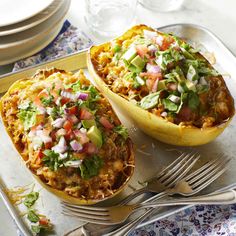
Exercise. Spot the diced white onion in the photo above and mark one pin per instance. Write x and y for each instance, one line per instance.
(42, 110)
(174, 99)
(69, 95)
(149, 34)
(164, 114)
(153, 68)
(49, 110)
(74, 163)
(58, 123)
(44, 137)
(83, 130)
(76, 146)
(63, 156)
(202, 81)
(159, 40)
(61, 147)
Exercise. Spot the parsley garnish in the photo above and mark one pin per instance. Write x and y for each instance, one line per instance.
(90, 167)
(51, 160)
(32, 216)
(47, 101)
(120, 129)
(30, 199)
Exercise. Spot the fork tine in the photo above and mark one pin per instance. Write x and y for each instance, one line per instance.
(183, 173)
(212, 174)
(167, 173)
(86, 208)
(201, 169)
(87, 219)
(199, 188)
(210, 167)
(181, 169)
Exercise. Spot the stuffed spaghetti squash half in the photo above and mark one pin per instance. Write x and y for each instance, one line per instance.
(68, 135)
(169, 89)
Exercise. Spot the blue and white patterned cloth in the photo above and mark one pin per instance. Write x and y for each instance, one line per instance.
(194, 221)
(70, 39)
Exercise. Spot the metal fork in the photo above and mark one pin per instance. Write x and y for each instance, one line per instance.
(169, 175)
(193, 183)
(165, 179)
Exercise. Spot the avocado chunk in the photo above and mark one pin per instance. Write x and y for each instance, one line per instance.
(129, 54)
(95, 136)
(88, 123)
(138, 62)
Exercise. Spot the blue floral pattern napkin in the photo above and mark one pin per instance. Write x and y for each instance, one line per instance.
(70, 39)
(194, 221)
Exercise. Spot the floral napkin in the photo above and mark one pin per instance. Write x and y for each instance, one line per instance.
(194, 221)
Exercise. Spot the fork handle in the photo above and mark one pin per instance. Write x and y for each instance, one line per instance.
(222, 198)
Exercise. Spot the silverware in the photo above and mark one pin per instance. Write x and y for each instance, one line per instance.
(192, 184)
(13, 212)
(165, 179)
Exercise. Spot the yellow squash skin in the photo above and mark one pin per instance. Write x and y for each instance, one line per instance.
(149, 123)
(23, 83)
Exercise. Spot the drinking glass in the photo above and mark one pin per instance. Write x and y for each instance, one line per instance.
(110, 18)
(161, 5)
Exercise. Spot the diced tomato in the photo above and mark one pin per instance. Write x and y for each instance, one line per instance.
(69, 90)
(106, 123)
(64, 100)
(68, 125)
(43, 221)
(142, 50)
(39, 154)
(85, 114)
(73, 110)
(48, 145)
(69, 135)
(167, 41)
(53, 135)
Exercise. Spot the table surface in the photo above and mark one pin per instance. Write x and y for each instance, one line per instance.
(216, 15)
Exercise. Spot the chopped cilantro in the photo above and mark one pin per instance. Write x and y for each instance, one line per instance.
(51, 160)
(193, 100)
(90, 167)
(36, 228)
(47, 101)
(122, 130)
(116, 48)
(169, 105)
(32, 216)
(30, 199)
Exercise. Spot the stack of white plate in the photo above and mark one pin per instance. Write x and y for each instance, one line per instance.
(28, 26)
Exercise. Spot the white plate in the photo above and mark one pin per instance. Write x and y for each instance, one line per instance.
(33, 21)
(14, 11)
(26, 43)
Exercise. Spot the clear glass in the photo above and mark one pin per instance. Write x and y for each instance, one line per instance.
(110, 17)
(161, 5)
